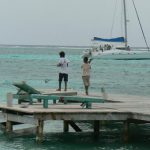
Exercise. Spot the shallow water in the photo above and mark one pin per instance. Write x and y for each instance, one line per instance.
(37, 64)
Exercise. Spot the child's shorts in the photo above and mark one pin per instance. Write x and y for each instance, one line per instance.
(63, 76)
(86, 80)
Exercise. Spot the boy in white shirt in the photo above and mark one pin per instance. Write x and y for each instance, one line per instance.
(63, 73)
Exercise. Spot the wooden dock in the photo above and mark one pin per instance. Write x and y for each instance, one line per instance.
(125, 108)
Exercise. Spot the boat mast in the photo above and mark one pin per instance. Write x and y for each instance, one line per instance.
(125, 23)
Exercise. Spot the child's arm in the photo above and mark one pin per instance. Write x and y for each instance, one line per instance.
(90, 60)
(58, 65)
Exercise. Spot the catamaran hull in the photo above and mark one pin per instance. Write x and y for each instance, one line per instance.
(134, 55)
(118, 54)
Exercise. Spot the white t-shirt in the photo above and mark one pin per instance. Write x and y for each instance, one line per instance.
(63, 62)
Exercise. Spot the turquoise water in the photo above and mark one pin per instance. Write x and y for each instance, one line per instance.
(37, 64)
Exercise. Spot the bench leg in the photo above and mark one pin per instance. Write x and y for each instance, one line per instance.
(89, 105)
(45, 103)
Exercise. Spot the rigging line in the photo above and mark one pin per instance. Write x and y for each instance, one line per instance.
(114, 14)
(140, 25)
(121, 20)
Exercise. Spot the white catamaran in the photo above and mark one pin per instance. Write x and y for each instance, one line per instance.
(117, 48)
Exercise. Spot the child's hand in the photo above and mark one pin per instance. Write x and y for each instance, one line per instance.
(90, 60)
(58, 65)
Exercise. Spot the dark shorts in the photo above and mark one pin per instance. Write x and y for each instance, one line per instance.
(63, 76)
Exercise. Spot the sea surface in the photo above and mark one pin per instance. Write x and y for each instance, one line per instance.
(37, 66)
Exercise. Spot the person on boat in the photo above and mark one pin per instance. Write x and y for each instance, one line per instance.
(63, 73)
(90, 53)
(86, 67)
(128, 48)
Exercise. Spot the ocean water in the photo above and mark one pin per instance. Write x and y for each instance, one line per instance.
(35, 64)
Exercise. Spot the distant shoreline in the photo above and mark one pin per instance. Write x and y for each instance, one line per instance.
(13, 45)
(61, 46)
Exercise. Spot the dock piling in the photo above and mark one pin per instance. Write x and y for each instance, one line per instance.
(126, 131)
(96, 128)
(39, 131)
(66, 126)
(9, 127)
(9, 99)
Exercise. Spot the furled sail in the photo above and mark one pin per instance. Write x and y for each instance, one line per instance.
(118, 39)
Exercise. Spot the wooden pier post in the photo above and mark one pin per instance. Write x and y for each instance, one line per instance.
(39, 131)
(66, 126)
(9, 99)
(8, 126)
(96, 128)
(126, 131)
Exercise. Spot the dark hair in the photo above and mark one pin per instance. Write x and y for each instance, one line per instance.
(62, 54)
(85, 59)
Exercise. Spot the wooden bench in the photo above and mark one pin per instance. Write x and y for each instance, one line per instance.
(85, 101)
(25, 91)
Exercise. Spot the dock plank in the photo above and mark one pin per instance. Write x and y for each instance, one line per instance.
(122, 108)
(126, 104)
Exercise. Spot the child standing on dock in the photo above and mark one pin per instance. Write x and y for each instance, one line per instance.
(63, 74)
(86, 67)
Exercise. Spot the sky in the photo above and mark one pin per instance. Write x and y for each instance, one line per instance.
(69, 22)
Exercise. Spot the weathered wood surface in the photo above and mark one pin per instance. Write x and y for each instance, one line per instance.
(127, 107)
(117, 108)
(69, 92)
